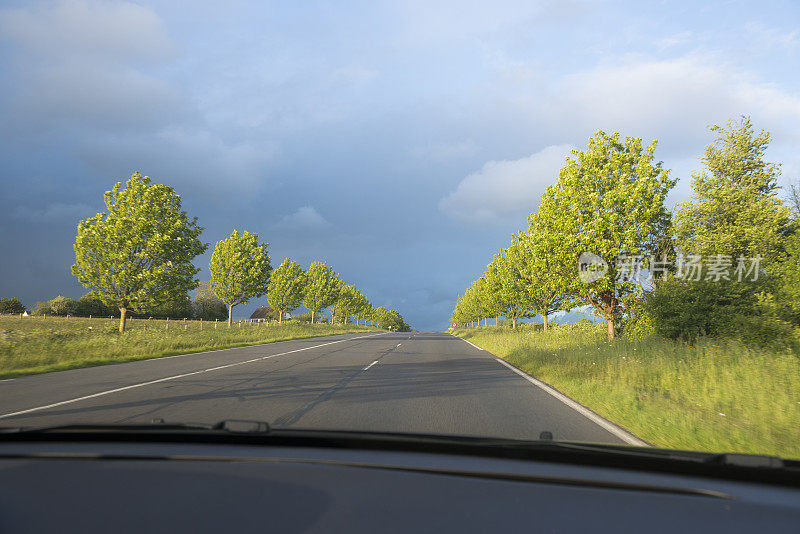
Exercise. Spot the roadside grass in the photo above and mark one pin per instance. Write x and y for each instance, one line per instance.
(714, 395)
(30, 345)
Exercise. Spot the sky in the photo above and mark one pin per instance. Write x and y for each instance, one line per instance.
(402, 142)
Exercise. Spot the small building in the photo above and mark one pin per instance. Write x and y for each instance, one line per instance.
(262, 314)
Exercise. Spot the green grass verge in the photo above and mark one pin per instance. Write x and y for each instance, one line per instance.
(714, 395)
(32, 345)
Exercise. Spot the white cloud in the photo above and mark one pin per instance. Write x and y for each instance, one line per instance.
(673, 99)
(504, 190)
(305, 218)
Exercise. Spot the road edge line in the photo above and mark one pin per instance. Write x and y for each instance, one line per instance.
(601, 421)
(621, 433)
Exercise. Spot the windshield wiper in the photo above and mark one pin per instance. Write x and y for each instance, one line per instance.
(231, 431)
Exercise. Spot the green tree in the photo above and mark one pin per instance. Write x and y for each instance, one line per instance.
(321, 288)
(608, 201)
(547, 275)
(286, 288)
(360, 306)
(334, 305)
(240, 269)
(139, 254)
(786, 279)
(179, 307)
(506, 290)
(735, 210)
(11, 305)
(207, 305)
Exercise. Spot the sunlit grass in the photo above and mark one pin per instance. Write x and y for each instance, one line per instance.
(36, 345)
(714, 395)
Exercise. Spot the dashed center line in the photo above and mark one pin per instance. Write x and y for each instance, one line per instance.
(370, 365)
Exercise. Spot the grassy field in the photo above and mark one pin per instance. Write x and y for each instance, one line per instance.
(31, 345)
(715, 395)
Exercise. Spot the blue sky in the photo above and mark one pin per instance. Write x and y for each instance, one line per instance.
(402, 142)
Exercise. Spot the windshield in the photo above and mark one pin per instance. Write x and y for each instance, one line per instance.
(576, 221)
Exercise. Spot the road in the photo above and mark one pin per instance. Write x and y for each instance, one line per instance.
(401, 382)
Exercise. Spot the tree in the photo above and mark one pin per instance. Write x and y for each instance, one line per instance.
(286, 288)
(506, 290)
(336, 290)
(391, 320)
(207, 305)
(546, 274)
(11, 305)
(359, 305)
(786, 279)
(351, 302)
(734, 210)
(608, 201)
(139, 254)
(321, 288)
(240, 269)
(179, 307)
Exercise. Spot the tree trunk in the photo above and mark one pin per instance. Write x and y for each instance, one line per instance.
(123, 312)
(513, 323)
(230, 315)
(545, 321)
(610, 322)
(280, 317)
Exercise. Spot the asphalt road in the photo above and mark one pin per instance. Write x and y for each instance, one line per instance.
(400, 382)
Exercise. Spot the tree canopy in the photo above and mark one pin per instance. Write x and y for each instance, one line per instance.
(321, 288)
(286, 288)
(139, 254)
(240, 269)
(734, 210)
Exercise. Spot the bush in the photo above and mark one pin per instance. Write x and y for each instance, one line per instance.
(207, 305)
(180, 308)
(57, 306)
(11, 305)
(688, 310)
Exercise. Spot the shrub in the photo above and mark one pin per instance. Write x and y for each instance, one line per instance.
(57, 306)
(688, 310)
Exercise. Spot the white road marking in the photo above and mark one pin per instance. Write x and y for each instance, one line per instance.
(471, 343)
(398, 345)
(175, 377)
(625, 436)
(608, 425)
(370, 365)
